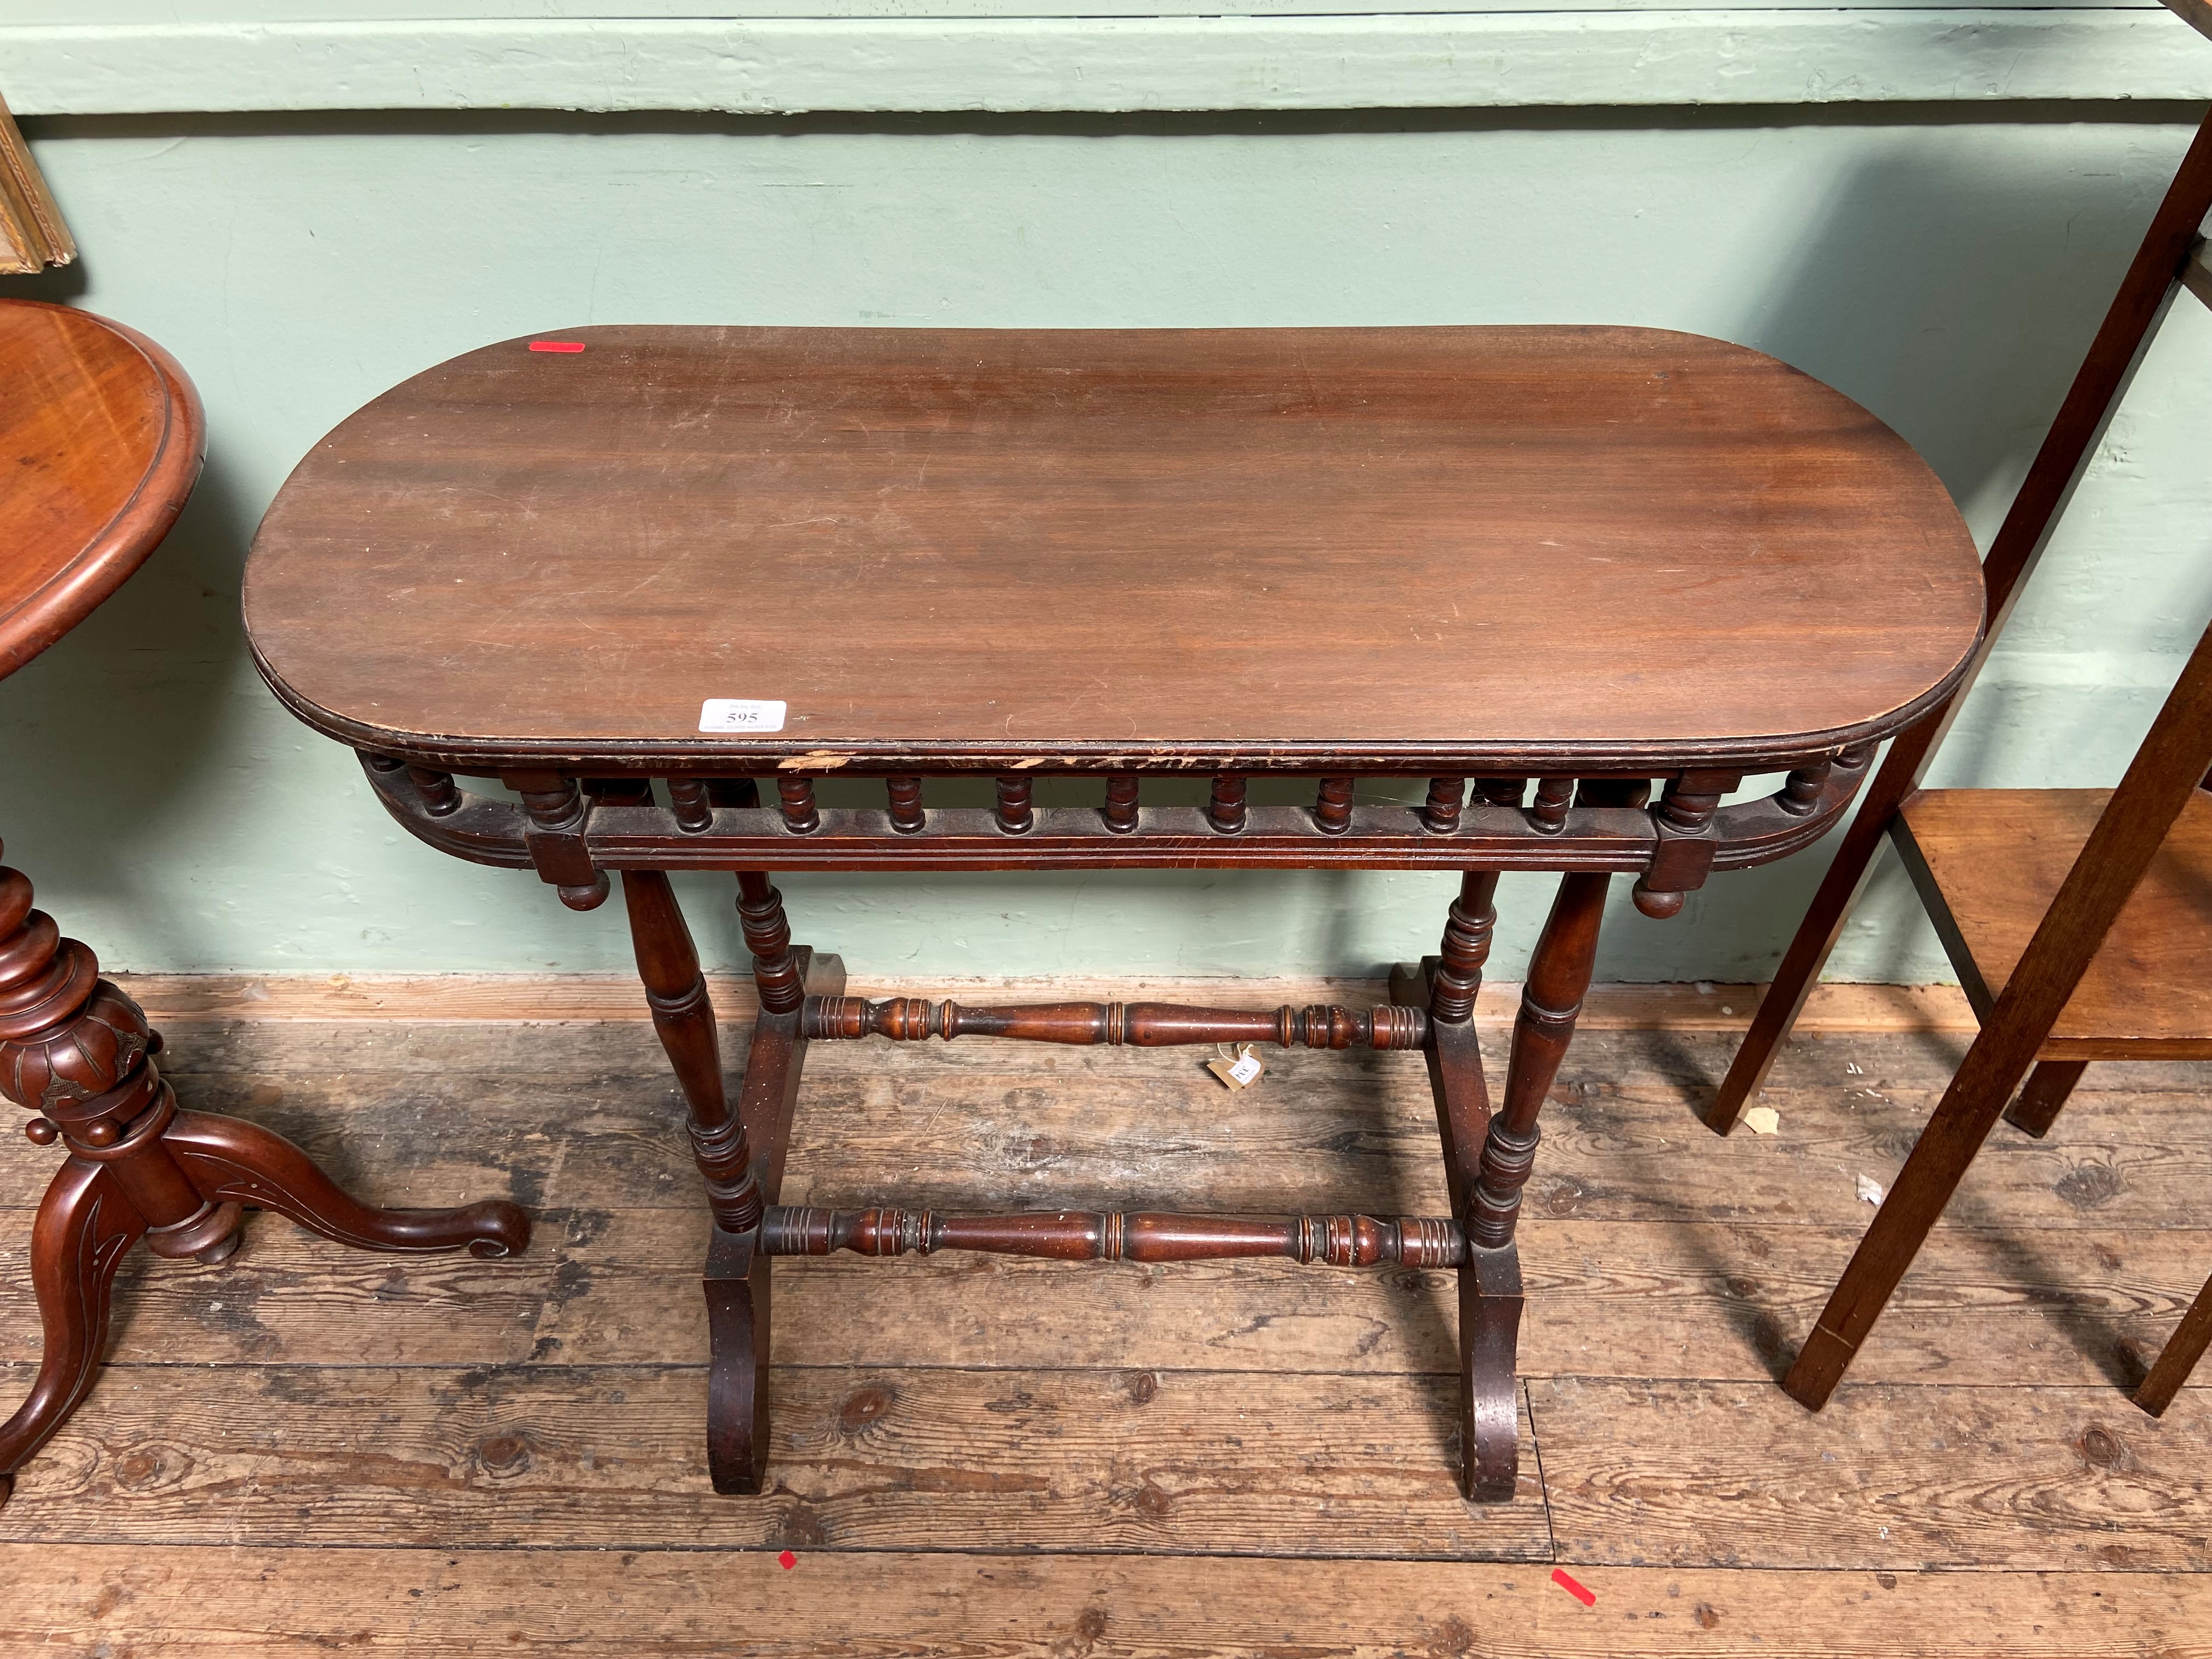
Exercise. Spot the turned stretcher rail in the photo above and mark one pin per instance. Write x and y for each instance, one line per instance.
(1341, 1240)
(1137, 1024)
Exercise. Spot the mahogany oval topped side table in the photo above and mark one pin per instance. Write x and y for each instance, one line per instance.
(632, 571)
(101, 440)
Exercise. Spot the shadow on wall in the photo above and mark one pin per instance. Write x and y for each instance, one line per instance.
(124, 717)
(1970, 371)
(1934, 297)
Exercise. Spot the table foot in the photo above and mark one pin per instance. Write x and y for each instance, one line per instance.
(1490, 1279)
(227, 1158)
(85, 1227)
(736, 1281)
(1488, 1345)
(737, 1285)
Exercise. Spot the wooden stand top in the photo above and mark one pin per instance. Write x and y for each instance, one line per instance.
(1988, 863)
(100, 439)
(1485, 549)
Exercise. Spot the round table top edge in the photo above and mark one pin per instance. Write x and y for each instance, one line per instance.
(80, 583)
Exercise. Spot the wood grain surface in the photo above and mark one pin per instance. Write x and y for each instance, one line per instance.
(1988, 863)
(439, 1604)
(1072, 548)
(308, 1447)
(101, 437)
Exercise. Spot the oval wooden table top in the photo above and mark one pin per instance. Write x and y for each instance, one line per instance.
(1474, 549)
(101, 440)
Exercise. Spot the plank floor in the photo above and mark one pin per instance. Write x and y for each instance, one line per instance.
(308, 1448)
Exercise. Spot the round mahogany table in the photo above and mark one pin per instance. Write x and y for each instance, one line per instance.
(100, 441)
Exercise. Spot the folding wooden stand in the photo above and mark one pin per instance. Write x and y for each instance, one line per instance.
(2030, 890)
(2117, 956)
(630, 571)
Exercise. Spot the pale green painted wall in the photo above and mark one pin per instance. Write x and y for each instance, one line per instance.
(1945, 265)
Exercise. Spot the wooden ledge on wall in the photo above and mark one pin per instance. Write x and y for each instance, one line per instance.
(185, 999)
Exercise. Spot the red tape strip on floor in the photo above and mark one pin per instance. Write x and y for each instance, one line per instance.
(1587, 1598)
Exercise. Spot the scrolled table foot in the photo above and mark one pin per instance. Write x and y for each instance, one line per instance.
(737, 1286)
(1489, 1342)
(228, 1159)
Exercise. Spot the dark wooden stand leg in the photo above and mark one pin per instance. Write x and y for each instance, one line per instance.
(683, 1017)
(1551, 1001)
(2045, 1092)
(78, 1052)
(230, 1160)
(738, 1283)
(2159, 783)
(1485, 1183)
(2179, 1355)
(1954, 1133)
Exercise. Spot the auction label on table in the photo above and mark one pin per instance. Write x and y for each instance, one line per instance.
(740, 715)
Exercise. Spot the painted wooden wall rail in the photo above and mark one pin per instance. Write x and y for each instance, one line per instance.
(1398, 59)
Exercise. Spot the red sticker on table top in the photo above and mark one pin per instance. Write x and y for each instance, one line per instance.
(556, 345)
(1565, 1581)
(786, 1560)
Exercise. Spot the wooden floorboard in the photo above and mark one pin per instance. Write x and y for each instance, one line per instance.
(310, 1448)
(2073, 1307)
(441, 1604)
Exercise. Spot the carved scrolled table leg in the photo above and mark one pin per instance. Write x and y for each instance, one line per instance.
(738, 1272)
(77, 1053)
(739, 1153)
(1489, 1280)
(1486, 1186)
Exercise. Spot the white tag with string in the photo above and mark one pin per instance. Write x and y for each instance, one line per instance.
(1241, 1072)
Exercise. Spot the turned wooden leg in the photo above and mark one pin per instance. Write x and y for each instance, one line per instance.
(777, 971)
(1551, 1001)
(1490, 1283)
(684, 1016)
(737, 1280)
(78, 1053)
(84, 1228)
(2036, 1107)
